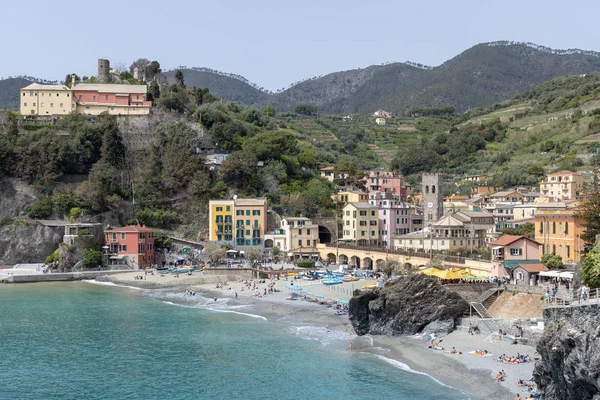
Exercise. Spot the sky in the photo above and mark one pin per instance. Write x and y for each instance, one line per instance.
(274, 43)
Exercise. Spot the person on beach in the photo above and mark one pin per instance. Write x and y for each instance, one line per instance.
(236, 294)
(350, 345)
(518, 397)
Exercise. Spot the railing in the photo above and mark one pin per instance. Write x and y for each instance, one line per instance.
(575, 299)
(410, 253)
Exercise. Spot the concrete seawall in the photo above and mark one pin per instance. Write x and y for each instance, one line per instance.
(57, 277)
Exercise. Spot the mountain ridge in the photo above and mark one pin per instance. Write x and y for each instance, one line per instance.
(482, 75)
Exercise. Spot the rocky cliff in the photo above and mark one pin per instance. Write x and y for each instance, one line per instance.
(570, 354)
(15, 194)
(405, 307)
(26, 242)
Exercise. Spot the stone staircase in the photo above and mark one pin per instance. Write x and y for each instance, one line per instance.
(481, 303)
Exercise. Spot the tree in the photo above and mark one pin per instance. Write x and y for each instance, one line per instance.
(527, 230)
(552, 261)
(179, 79)
(590, 267)
(152, 70)
(269, 111)
(276, 252)
(271, 145)
(41, 208)
(214, 252)
(305, 109)
(92, 257)
(589, 212)
(13, 123)
(239, 169)
(153, 92)
(251, 254)
(390, 267)
(141, 64)
(69, 80)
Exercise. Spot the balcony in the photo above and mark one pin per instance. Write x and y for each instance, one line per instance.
(141, 240)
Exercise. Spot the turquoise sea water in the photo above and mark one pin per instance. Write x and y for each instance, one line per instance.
(86, 341)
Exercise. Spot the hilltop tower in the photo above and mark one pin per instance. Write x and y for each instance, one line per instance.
(432, 186)
(103, 71)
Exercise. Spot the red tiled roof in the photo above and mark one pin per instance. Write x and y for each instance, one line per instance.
(533, 267)
(505, 240)
(131, 228)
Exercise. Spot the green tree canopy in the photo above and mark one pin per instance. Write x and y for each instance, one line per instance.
(590, 267)
(271, 145)
(552, 261)
(305, 109)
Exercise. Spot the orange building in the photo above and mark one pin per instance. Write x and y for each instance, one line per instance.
(559, 232)
(130, 245)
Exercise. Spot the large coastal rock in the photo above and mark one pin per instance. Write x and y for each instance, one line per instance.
(15, 194)
(570, 354)
(26, 242)
(405, 307)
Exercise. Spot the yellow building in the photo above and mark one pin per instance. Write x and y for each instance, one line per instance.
(38, 99)
(559, 232)
(220, 223)
(350, 196)
(239, 222)
(563, 185)
(361, 223)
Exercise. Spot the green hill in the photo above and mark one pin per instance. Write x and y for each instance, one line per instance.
(226, 86)
(9, 92)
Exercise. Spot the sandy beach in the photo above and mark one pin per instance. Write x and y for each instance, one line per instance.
(470, 373)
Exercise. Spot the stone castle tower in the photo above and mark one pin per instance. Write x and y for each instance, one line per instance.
(103, 71)
(432, 187)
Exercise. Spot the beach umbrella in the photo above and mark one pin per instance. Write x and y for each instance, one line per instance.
(448, 274)
(319, 296)
(430, 271)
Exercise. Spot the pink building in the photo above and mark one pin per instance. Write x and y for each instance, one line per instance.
(130, 245)
(508, 251)
(113, 98)
(394, 217)
(378, 180)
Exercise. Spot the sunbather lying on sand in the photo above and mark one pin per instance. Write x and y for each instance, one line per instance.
(481, 352)
(454, 351)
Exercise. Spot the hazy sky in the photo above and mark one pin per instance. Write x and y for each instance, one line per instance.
(275, 42)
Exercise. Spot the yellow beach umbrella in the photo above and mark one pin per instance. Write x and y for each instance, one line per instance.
(431, 271)
(448, 274)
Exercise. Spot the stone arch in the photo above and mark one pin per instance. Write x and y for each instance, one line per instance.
(367, 263)
(268, 243)
(426, 189)
(343, 259)
(355, 261)
(433, 189)
(379, 263)
(331, 258)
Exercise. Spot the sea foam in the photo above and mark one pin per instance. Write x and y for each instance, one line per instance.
(95, 282)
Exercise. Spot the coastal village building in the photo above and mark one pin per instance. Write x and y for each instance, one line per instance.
(394, 217)
(383, 114)
(89, 99)
(476, 178)
(563, 185)
(558, 230)
(379, 180)
(344, 197)
(238, 222)
(130, 245)
(484, 190)
(463, 229)
(361, 223)
(117, 99)
(296, 237)
(510, 251)
(329, 174)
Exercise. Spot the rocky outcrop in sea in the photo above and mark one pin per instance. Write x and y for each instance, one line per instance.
(406, 306)
(570, 354)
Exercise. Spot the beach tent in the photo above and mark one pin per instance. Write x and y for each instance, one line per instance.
(448, 274)
(430, 271)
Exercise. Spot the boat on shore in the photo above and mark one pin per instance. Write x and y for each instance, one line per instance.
(350, 279)
(331, 281)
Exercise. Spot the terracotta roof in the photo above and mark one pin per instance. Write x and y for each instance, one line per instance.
(131, 228)
(533, 267)
(505, 240)
(564, 172)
